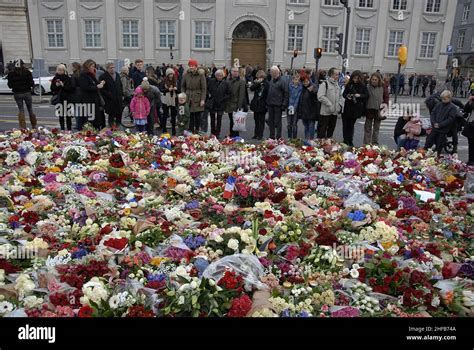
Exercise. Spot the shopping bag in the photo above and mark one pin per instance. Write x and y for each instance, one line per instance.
(240, 120)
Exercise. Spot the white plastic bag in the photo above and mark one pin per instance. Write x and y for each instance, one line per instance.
(240, 121)
(247, 266)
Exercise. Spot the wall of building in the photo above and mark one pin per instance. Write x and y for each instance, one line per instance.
(14, 31)
(273, 15)
(464, 54)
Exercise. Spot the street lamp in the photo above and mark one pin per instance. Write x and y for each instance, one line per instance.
(346, 43)
(318, 53)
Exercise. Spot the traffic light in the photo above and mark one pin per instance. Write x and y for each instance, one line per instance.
(318, 53)
(295, 53)
(402, 55)
(340, 43)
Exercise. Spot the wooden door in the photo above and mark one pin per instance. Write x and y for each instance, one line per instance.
(249, 51)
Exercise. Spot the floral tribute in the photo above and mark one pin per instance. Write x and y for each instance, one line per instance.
(121, 225)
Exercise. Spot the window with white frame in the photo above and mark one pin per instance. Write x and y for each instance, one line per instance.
(295, 37)
(329, 39)
(331, 3)
(362, 42)
(466, 11)
(433, 6)
(399, 5)
(55, 32)
(130, 33)
(92, 32)
(428, 44)
(461, 38)
(167, 33)
(202, 34)
(369, 4)
(297, 2)
(395, 40)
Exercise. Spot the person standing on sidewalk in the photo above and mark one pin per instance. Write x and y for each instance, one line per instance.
(113, 95)
(169, 88)
(219, 94)
(355, 94)
(295, 89)
(277, 101)
(20, 80)
(308, 106)
(329, 94)
(469, 129)
(259, 103)
(90, 95)
(378, 95)
(195, 87)
(63, 90)
(237, 100)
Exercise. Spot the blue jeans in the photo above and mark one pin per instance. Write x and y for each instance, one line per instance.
(401, 140)
(309, 129)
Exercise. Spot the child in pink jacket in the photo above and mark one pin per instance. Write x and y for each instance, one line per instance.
(412, 132)
(140, 108)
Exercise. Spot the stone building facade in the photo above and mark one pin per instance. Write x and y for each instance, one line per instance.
(14, 36)
(252, 31)
(463, 37)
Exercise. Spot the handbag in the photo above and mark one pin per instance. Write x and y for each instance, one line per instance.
(209, 104)
(240, 121)
(56, 99)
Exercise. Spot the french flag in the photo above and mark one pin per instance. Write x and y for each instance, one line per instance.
(229, 187)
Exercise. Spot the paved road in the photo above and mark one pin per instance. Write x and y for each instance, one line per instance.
(45, 113)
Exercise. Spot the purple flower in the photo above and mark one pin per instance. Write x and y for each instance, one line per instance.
(194, 204)
(346, 312)
(51, 177)
(157, 277)
(194, 242)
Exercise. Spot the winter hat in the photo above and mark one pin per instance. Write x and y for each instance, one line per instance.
(169, 71)
(193, 62)
(138, 90)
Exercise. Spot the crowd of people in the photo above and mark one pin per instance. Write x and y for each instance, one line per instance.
(153, 97)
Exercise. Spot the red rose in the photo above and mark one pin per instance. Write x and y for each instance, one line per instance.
(240, 306)
(262, 232)
(117, 243)
(387, 280)
(85, 311)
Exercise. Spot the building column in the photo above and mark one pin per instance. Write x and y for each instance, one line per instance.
(35, 25)
(219, 37)
(112, 33)
(149, 32)
(313, 32)
(445, 41)
(414, 37)
(280, 27)
(185, 32)
(73, 28)
(380, 46)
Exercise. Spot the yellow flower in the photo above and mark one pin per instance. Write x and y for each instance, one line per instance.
(126, 211)
(54, 169)
(156, 261)
(450, 179)
(37, 191)
(28, 205)
(48, 148)
(22, 179)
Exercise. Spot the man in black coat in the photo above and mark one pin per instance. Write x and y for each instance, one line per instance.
(442, 118)
(113, 95)
(277, 101)
(469, 129)
(259, 103)
(219, 93)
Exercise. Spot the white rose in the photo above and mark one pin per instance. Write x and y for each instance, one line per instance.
(233, 244)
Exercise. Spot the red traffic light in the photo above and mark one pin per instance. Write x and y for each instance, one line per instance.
(318, 53)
